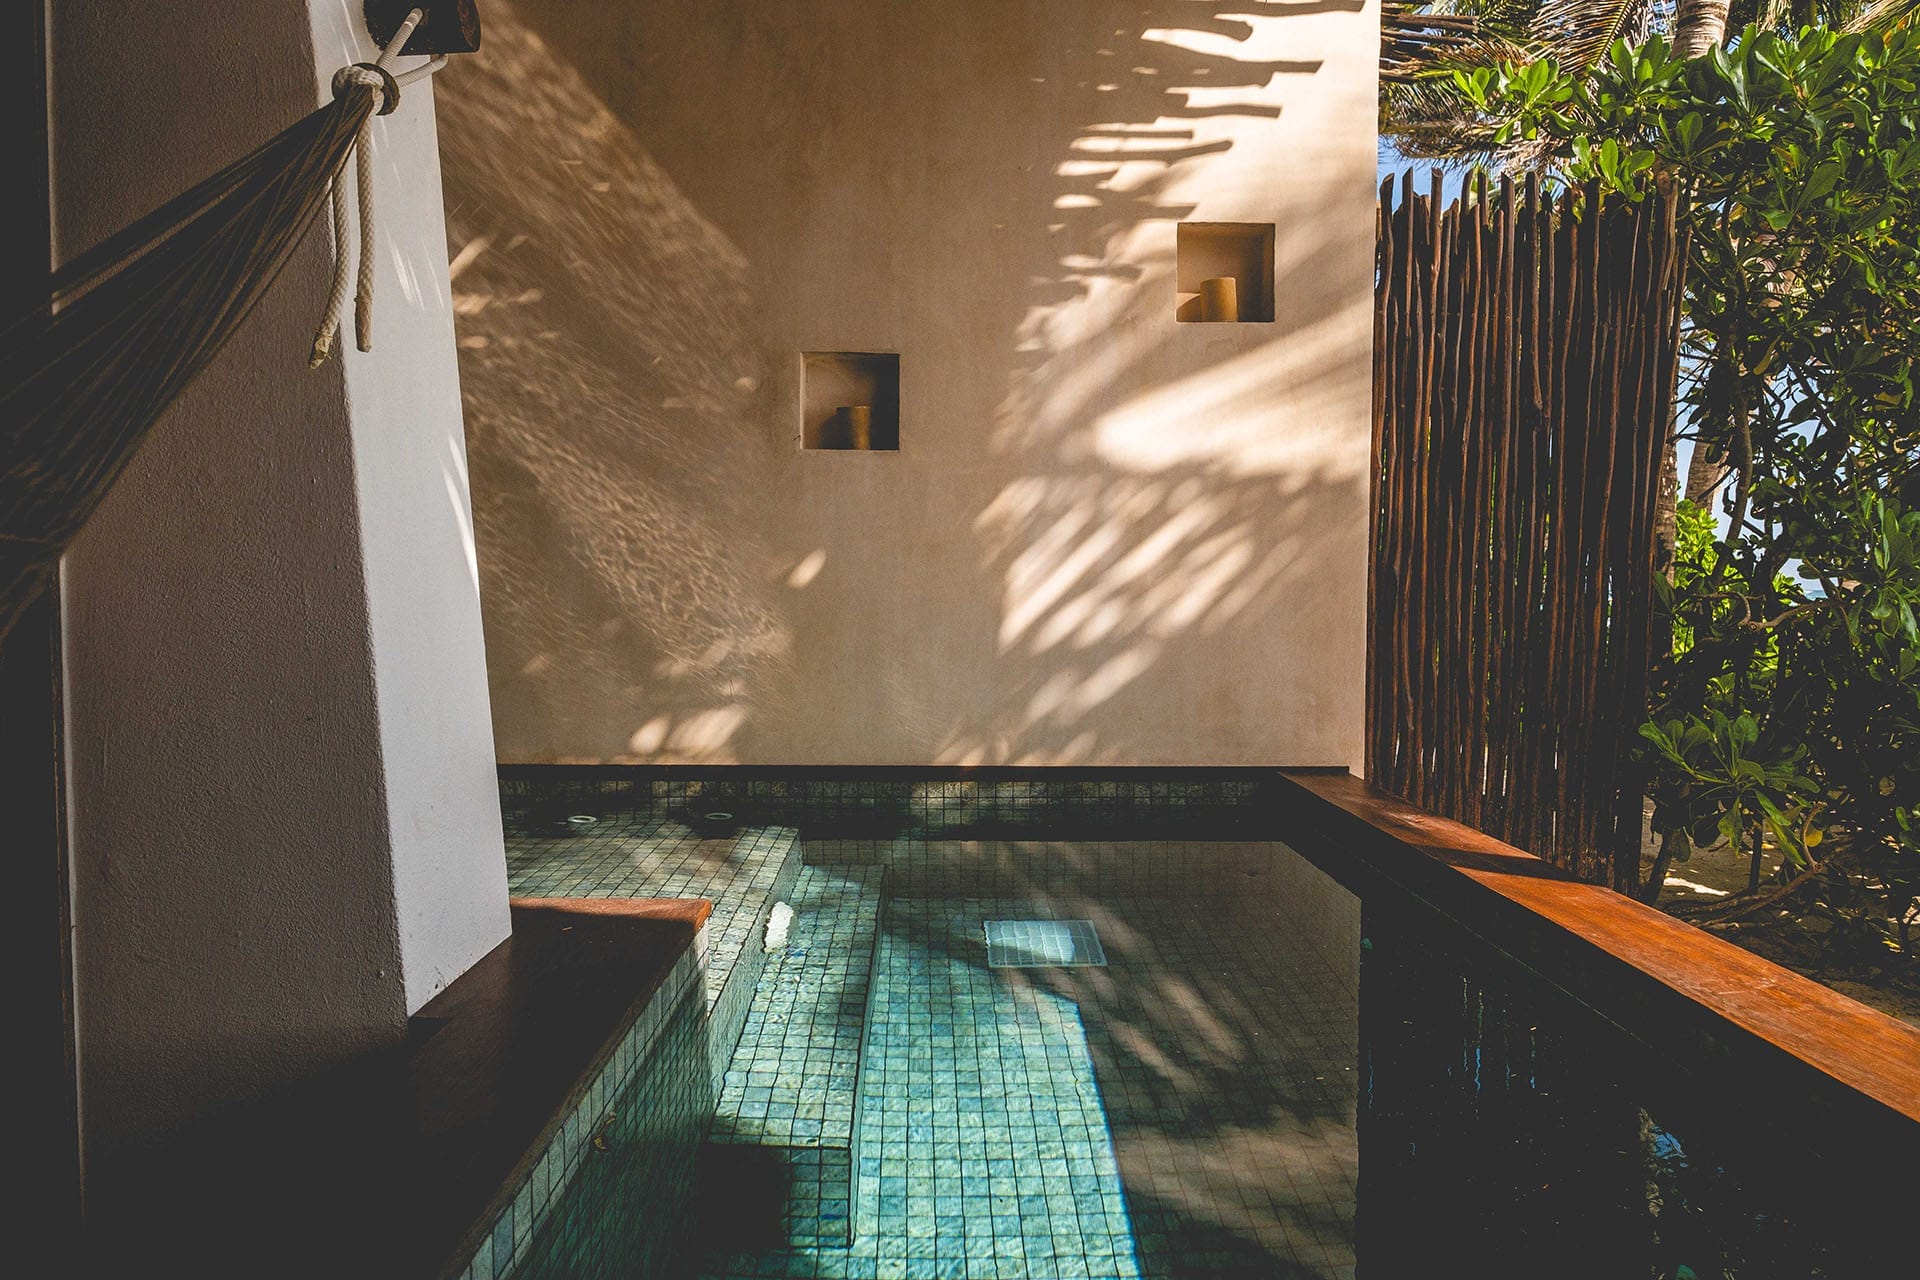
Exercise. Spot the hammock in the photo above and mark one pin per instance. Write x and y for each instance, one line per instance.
(129, 323)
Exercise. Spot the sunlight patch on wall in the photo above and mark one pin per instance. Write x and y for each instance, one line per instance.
(1088, 344)
(802, 574)
(1106, 560)
(1068, 695)
(650, 737)
(1230, 412)
(701, 736)
(1211, 43)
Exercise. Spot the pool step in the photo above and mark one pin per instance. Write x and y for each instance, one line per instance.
(742, 872)
(735, 956)
(784, 1131)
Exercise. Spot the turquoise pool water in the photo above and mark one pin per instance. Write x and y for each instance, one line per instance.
(1184, 1110)
(887, 1104)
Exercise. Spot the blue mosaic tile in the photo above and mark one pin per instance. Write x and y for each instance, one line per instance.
(1187, 1111)
(541, 797)
(628, 1208)
(791, 1081)
(791, 1086)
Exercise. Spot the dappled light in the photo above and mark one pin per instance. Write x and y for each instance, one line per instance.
(1100, 525)
(1222, 1028)
(1160, 495)
(1229, 406)
(609, 383)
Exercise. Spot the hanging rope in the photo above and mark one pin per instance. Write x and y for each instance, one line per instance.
(129, 323)
(374, 77)
(385, 86)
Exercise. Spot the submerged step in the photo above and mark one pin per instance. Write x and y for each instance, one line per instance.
(770, 858)
(743, 873)
(784, 1129)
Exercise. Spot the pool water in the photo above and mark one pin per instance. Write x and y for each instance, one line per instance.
(898, 1107)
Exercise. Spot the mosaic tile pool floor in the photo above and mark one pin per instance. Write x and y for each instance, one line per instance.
(1186, 1111)
(743, 872)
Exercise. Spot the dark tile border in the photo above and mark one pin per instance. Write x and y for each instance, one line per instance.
(949, 803)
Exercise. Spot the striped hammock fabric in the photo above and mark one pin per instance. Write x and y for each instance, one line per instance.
(129, 323)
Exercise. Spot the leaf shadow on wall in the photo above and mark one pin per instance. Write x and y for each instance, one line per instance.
(620, 385)
(1155, 519)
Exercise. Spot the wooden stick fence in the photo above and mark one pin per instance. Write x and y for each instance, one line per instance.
(1525, 347)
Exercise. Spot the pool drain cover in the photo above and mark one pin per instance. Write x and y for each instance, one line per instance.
(1040, 944)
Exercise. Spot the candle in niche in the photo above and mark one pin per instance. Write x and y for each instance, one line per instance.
(1220, 299)
(859, 420)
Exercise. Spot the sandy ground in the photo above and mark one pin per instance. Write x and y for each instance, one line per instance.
(1713, 875)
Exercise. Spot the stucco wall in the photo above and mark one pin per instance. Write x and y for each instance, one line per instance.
(1106, 537)
(260, 778)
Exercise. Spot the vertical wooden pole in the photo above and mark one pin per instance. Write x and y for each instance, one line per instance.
(38, 954)
(1524, 370)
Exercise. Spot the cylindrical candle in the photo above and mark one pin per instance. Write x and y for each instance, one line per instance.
(859, 425)
(1219, 299)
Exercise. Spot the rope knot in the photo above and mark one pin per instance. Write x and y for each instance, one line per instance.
(385, 88)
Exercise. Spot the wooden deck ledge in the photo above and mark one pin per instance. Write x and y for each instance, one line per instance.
(393, 1166)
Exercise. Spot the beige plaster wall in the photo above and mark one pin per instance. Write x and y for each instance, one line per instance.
(1106, 538)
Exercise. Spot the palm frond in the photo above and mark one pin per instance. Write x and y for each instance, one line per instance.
(1415, 42)
(1426, 116)
(1882, 15)
(1576, 32)
(1418, 40)
(1786, 15)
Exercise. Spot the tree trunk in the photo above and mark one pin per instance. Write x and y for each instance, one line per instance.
(1706, 472)
(1699, 27)
(1666, 515)
(1670, 845)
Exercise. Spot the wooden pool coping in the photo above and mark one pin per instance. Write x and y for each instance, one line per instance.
(1648, 972)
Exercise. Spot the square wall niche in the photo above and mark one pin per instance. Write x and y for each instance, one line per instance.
(1223, 273)
(844, 390)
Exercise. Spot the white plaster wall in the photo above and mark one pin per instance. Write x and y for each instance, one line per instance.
(416, 535)
(269, 775)
(1107, 537)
